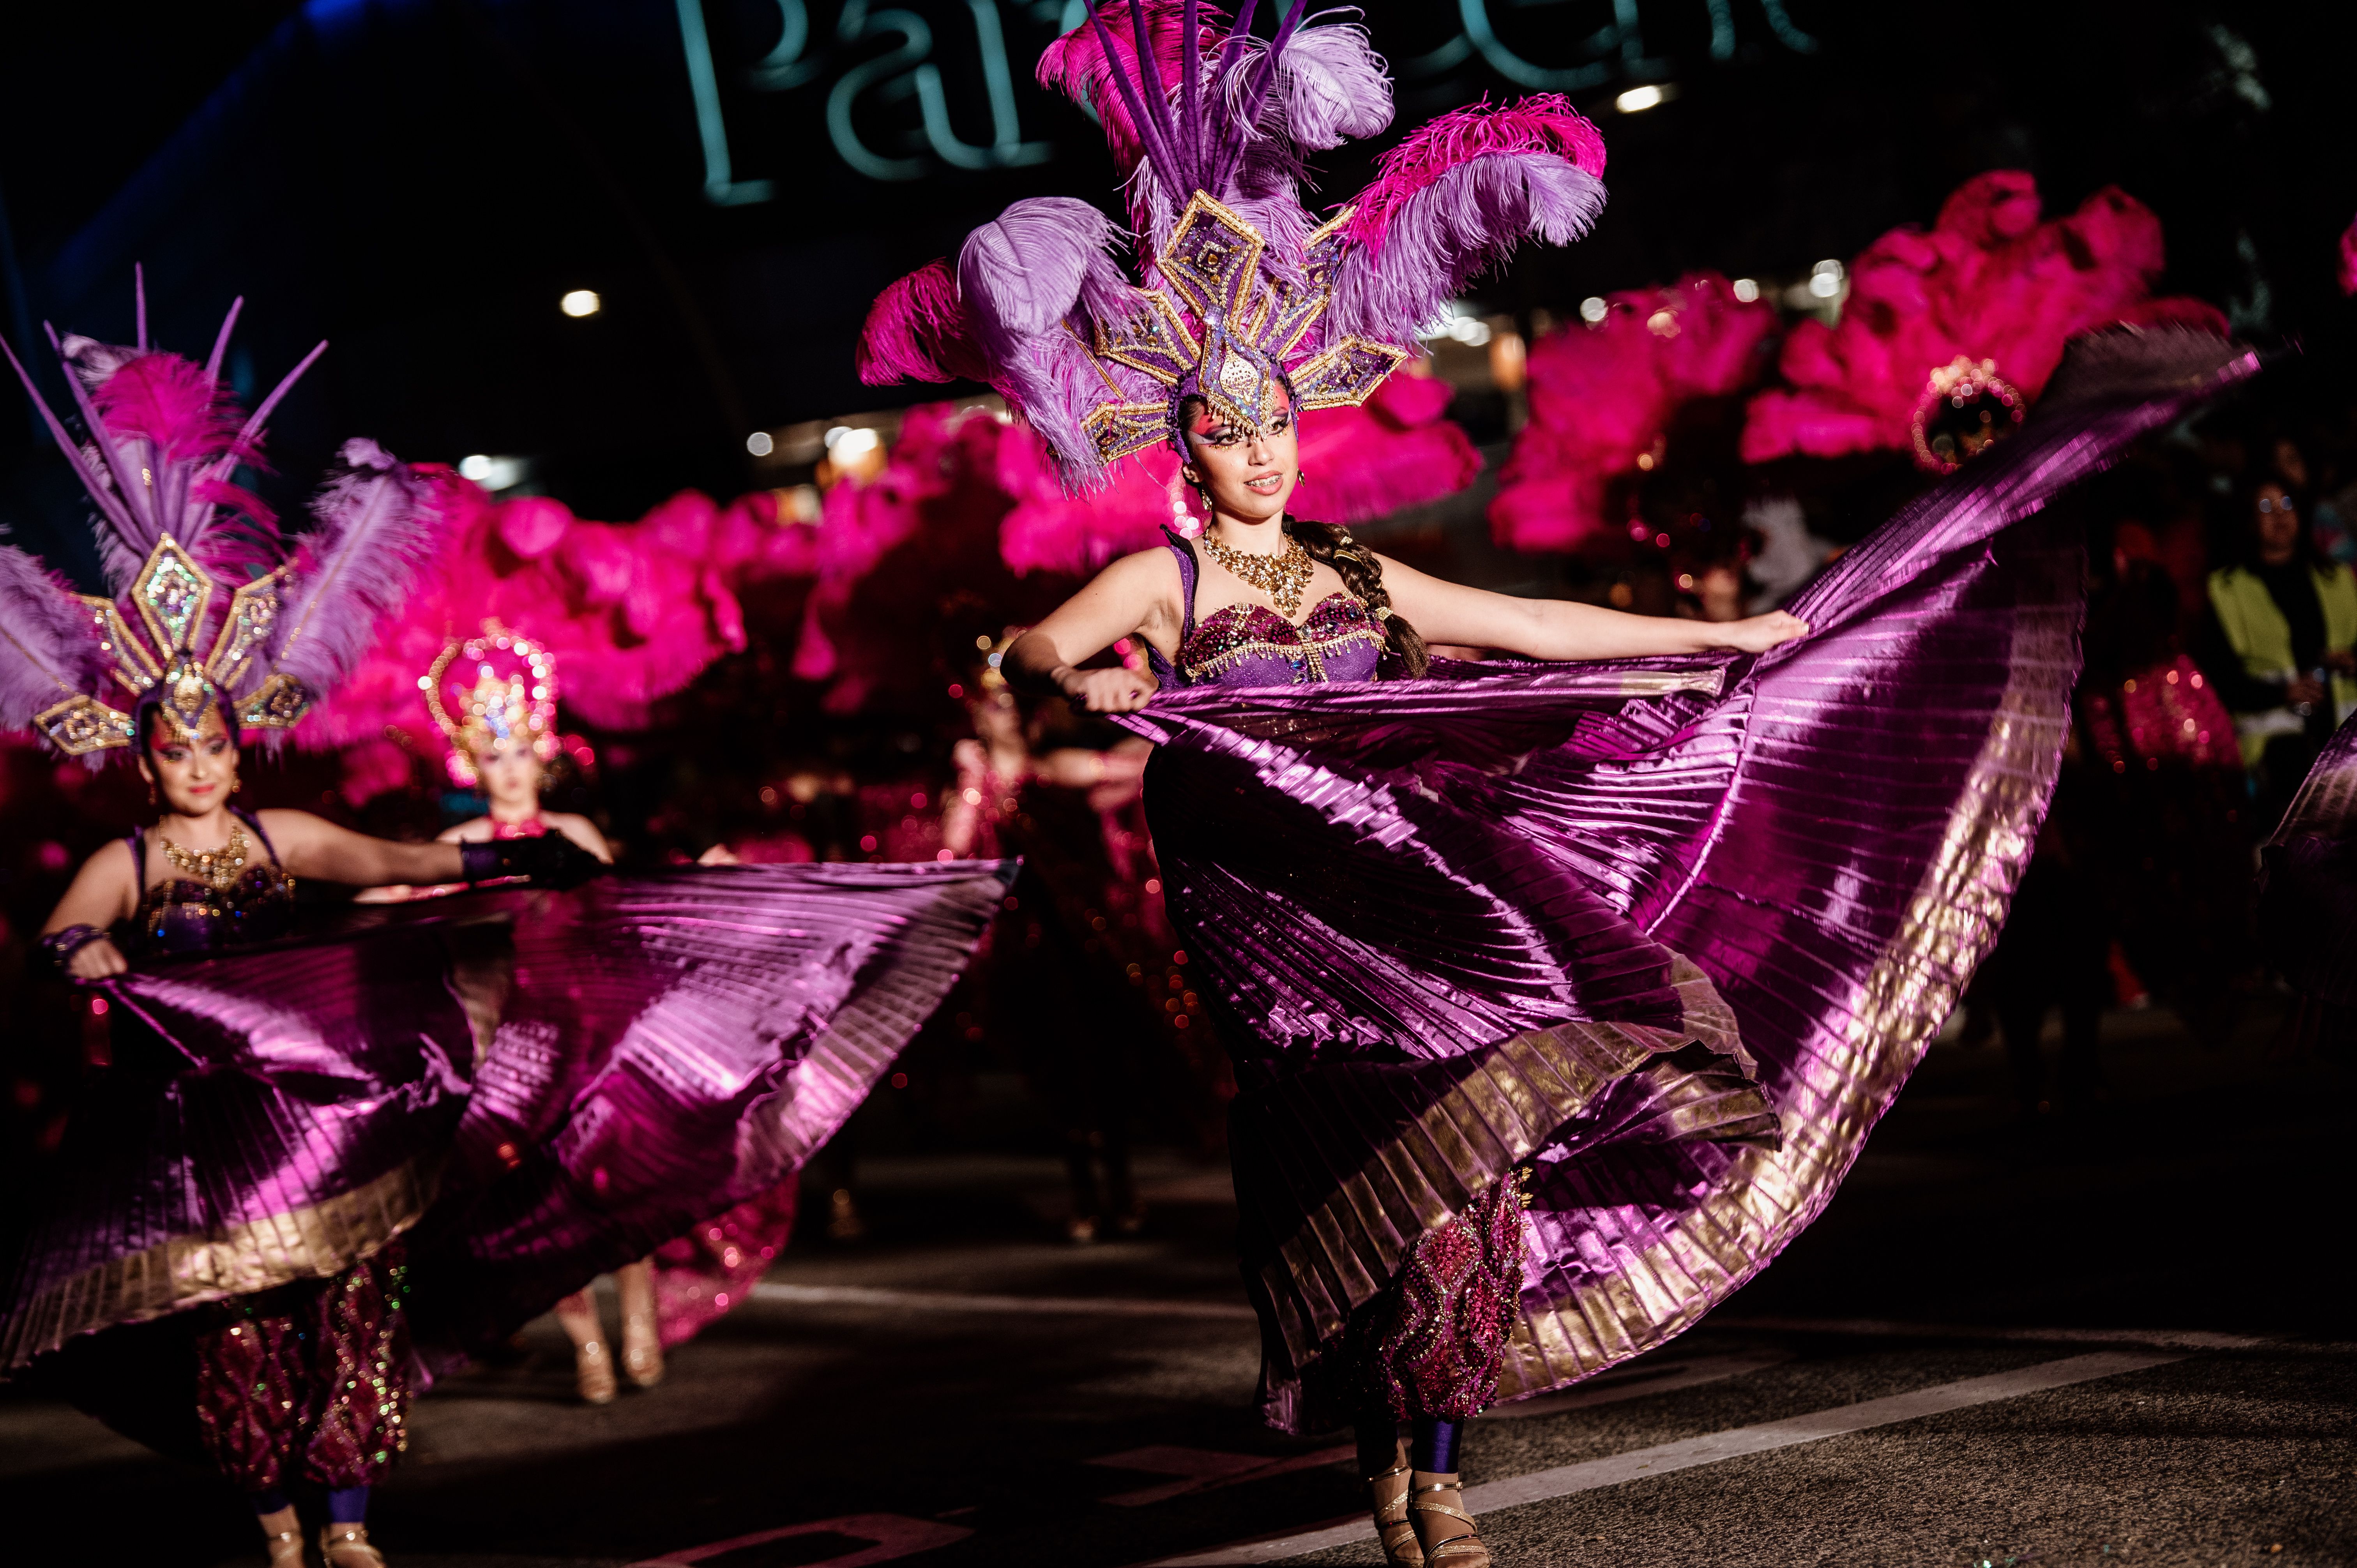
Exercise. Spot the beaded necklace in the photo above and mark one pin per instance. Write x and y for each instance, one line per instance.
(1282, 576)
(216, 868)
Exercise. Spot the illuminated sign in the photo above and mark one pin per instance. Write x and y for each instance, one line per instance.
(888, 114)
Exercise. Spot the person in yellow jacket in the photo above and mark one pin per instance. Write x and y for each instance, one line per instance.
(2282, 646)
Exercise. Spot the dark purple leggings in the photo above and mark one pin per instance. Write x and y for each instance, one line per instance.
(1431, 1445)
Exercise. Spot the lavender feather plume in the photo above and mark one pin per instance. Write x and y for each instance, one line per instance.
(47, 652)
(379, 524)
(1033, 286)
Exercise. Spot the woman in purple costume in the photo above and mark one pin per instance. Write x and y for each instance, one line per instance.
(258, 1200)
(281, 1195)
(1562, 994)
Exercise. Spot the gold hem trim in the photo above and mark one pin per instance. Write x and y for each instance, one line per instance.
(314, 1241)
(1664, 1285)
(1527, 1087)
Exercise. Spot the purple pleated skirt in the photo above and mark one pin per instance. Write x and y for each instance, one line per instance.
(2307, 905)
(1660, 938)
(655, 1050)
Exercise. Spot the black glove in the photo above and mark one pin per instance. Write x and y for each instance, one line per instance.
(550, 858)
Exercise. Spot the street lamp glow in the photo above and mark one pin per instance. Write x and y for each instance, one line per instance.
(1746, 289)
(1593, 309)
(581, 302)
(759, 444)
(1637, 100)
(477, 467)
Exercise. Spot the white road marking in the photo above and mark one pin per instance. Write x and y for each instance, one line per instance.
(952, 1301)
(1644, 1462)
(1875, 1327)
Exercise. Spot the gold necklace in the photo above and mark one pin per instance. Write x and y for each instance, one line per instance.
(216, 868)
(1282, 576)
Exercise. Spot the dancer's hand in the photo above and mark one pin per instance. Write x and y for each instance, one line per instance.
(1758, 634)
(1107, 690)
(95, 960)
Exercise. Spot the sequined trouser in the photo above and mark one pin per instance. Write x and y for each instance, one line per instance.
(308, 1382)
(1433, 1345)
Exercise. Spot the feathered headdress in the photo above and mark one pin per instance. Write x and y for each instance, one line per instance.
(210, 607)
(1245, 291)
(491, 694)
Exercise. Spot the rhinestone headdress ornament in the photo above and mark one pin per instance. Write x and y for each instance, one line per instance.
(493, 694)
(1246, 297)
(213, 608)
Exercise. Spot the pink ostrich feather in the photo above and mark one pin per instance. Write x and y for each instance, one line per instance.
(2349, 258)
(1986, 281)
(918, 329)
(1544, 123)
(1603, 396)
(1077, 65)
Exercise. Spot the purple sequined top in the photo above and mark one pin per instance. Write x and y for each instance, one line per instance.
(183, 915)
(1251, 645)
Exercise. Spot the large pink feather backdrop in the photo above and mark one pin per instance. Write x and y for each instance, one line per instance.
(1986, 281)
(633, 611)
(1602, 398)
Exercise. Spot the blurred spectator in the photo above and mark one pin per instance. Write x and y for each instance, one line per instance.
(2278, 642)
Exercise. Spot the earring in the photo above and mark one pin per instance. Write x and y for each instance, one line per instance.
(1300, 476)
(235, 783)
(151, 791)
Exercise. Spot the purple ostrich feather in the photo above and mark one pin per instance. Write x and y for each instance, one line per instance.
(46, 647)
(380, 521)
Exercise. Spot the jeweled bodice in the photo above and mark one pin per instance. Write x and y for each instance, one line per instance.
(1251, 645)
(182, 915)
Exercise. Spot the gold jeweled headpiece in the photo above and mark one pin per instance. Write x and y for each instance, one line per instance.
(492, 693)
(213, 607)
(1244, 291)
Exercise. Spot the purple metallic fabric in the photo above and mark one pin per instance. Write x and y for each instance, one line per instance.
(271, 1114)
(671, 1045)
(2308, 902)
(1671, 932)
(666, 1048)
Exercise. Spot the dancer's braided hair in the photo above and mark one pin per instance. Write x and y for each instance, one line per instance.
(1364, 575)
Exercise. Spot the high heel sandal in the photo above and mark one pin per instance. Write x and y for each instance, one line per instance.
(593, 1372)
(1393, 1526)
(643, 1355)
(346, 1546)
(1463, 1549)
(286, 1548)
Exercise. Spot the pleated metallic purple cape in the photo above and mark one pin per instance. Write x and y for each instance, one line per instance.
(1671, 933)
(2307, 905)
(665, 1047)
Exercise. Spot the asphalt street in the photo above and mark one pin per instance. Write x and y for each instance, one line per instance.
(2119, 1339)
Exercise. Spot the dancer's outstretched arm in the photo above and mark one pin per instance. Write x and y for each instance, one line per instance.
(1138, 595)
(1560, 629)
